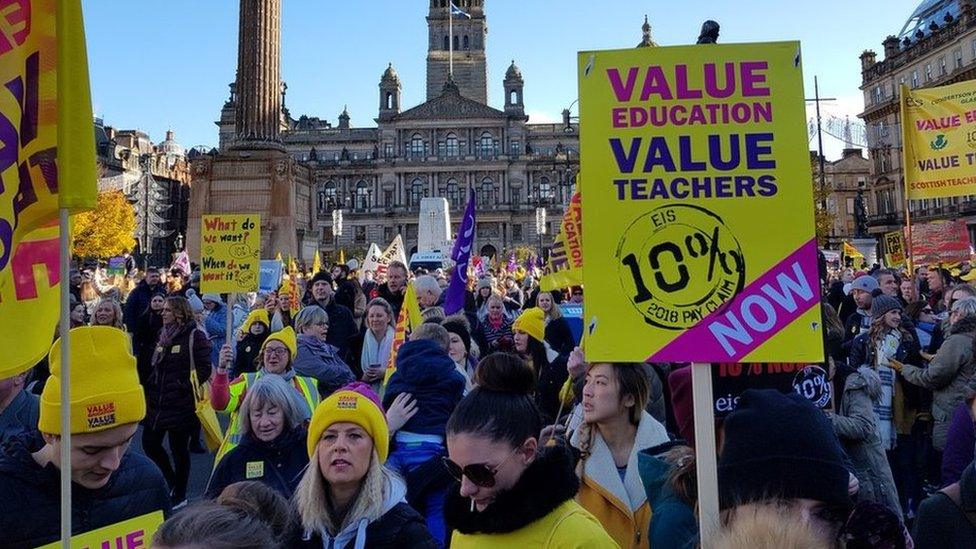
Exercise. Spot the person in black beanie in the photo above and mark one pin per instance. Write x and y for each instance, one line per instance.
(342, 326)
(779, 448)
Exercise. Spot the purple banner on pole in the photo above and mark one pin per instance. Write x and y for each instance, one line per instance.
(454, 301)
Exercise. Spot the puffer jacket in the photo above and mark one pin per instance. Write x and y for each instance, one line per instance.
(319, 360)
(621, 506)
(426, 371)
(673, 524)
(216, 326)
(856, 426)
(30, 510)
(169, 393)
(278, 464)
(947, 375)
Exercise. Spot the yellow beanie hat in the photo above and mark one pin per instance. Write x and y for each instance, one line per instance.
(286, 336)
(533, 322)
(257, 315)
(105, 390)
(354, 403)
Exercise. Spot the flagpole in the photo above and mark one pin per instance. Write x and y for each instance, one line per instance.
(450, 40)
(903, 91)
(65, 461)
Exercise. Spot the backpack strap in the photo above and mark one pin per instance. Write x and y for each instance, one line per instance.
(954, 493)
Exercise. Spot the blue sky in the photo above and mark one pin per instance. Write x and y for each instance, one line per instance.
(158, 64)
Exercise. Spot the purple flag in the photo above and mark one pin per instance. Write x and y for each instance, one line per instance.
(454, 301)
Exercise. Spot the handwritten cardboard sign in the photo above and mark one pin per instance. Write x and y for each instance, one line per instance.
(230, 253)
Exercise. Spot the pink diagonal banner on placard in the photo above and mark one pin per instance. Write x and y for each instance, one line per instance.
(762, 309)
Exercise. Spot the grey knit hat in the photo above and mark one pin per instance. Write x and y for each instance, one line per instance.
(881, 304)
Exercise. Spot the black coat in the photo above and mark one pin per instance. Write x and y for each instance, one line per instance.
(137, 302)
(169, 393)
(144, 337)
(394, 299)
(552, 376)
(400, 528)
(342, 326)
(282, 460)
(941, 524)
(248, 350)
(30, 508)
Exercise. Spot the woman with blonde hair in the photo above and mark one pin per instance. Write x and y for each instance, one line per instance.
(347, 498)
(108, 312)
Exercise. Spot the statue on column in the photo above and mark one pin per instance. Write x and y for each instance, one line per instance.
(709, 32)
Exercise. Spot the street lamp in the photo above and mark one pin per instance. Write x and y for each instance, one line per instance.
(540, 224)
(336, 231)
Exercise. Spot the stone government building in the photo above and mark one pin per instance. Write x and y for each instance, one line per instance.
(296, 171)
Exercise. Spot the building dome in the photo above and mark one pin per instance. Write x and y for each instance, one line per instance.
(928, 12)
(513, 72)
(170, 146)
(390, 74)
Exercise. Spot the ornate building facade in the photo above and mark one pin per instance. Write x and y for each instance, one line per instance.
(451, 143)
(155, 179)
(937, 46)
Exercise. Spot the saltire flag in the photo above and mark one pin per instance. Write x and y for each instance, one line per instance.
(47, 162)
(458, 12)
(512, 265)
(461, 254)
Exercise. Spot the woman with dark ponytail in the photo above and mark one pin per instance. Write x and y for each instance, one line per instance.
(512, 491)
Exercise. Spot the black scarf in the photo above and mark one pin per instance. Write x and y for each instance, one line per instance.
(547, 483)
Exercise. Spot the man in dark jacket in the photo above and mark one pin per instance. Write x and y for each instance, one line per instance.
(139, 298)
(859, 321)
(948, 518)
(342, 326)
(394, 288)
(18, 407)
(109, 483)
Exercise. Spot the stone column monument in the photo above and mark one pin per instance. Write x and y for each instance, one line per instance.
(254, 173)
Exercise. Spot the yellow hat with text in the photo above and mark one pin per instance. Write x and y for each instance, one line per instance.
(355, 403)
(105, 390)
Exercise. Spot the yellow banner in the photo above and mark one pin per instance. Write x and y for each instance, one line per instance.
(47, 161)
(939, 133)
(851, 251)
(131, 534)
(700, 237)
(565, 266)
(894, 249)
(230, 257)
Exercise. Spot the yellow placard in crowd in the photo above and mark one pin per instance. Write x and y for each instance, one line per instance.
(699, 239)
(230, 253)
(894, 248)
(565, 265)
(135, 533)
(939, 132)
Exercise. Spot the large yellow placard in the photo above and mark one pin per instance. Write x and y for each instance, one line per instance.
(698, 177)
(230, 257)
(135, 533)
(939, 131)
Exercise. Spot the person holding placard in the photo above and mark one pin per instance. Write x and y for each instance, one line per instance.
(110, 483)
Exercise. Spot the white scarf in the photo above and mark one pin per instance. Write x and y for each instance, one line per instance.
(376, 352)
(885, 351)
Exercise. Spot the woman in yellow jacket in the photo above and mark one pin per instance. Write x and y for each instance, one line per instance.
(615, 429)
(276, 357)
(511, 491)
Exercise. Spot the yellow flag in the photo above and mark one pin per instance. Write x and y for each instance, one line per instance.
(851, 251)
(409, 319)
(565, 265)
(342, 257)
(278, 258)
(292, 267)
(316, 263)
(48, 162)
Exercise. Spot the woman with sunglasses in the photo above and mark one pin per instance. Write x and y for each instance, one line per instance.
(316, 358)
(275, 358)
(347, 498)
(512, 491)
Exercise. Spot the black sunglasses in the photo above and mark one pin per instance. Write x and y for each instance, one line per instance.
(478, 473)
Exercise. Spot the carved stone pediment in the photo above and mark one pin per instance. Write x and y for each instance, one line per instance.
(450, 104)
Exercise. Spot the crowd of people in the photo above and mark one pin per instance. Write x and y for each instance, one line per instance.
(486, 427)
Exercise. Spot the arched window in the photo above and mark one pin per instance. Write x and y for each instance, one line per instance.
(453, 192)
(362, 195)
(486, 145)
(416, 146)
(457, 42)
(329, 192)
(389, 100)
(447, 45)
(487, 193)
(466, 43)
(452, 145)
(416, 192)
(513, 97)
(545, 190)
